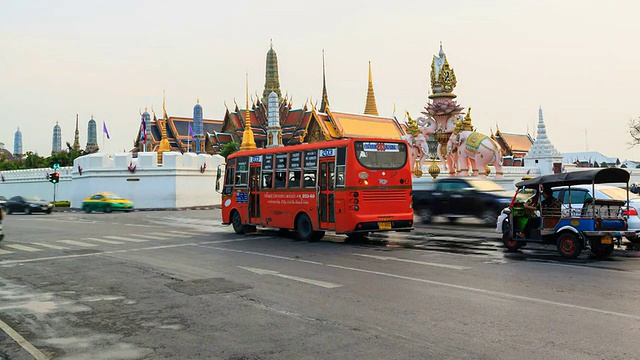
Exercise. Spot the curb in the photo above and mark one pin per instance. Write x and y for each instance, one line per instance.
(212, 207)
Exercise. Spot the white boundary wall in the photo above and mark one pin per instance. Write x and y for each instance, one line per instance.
(183, 180)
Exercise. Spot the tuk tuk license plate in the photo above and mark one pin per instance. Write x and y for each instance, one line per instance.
(606, 240)
(384, 225)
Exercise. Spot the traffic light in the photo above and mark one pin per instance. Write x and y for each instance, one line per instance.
(54, 178)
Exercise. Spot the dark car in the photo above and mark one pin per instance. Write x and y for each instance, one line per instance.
(1, 219)
(28, 205)
(455, 198)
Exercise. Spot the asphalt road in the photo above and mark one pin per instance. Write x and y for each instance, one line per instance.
(178, 285)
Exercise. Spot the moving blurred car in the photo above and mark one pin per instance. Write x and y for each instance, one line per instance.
(107, 202)
(455, 198)
(28, 205)
(1, 218)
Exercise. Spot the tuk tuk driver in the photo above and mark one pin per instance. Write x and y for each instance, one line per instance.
(549, 202)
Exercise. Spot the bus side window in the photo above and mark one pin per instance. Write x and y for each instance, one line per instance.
(294, 178)
(310, 178)
(340, 172)
(280, 179)
(228, 180)
(267, 180)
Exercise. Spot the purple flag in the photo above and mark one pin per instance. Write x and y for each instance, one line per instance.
(191, 132)
(105, 131)
(144, 131)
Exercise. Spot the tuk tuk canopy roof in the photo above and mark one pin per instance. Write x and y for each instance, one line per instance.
(595, 176)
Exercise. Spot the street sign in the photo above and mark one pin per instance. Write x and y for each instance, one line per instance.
(56, 165)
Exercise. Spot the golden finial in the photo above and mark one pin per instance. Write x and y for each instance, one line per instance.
(412, 125)
(198, 100)
(18, 128)
(92, 116)
(248, 143)
(466, 122)
(164, 105)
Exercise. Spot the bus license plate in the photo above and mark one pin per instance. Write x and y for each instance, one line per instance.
(606, 240)
(384, 225)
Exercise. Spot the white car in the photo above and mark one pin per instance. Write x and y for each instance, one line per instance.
(573, 201)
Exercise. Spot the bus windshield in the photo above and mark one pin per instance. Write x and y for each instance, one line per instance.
(381, 155)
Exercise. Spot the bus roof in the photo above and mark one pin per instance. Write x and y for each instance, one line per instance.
(309, 146)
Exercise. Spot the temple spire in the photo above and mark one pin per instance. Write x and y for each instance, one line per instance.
(325, 98)
(272, 80)
(76, 139)
(248, 142)
(370, 107)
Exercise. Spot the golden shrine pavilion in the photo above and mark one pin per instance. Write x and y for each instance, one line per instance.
(307, 124)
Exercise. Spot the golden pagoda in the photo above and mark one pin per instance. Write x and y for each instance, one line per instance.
(370, 107)
(248, 142)
(164, 142)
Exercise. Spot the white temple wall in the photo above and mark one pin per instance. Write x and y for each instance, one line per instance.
(184, 180)
(34, 183)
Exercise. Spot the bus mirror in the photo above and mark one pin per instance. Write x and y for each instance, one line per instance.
(218, 176)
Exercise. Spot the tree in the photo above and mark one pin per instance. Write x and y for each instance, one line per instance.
(229, 149)
(604, 164)
(634, 130)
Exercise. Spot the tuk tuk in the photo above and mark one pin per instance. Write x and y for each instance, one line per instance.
(598, 226)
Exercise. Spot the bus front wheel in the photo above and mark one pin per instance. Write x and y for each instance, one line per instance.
(304, 228)
(236, 221)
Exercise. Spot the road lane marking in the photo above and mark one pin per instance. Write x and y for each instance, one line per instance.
(37, 354)
(60, 257)
(5, 252)
(153, 237)
(446, 266)
(77, 243)
(104, 241)
(323, 284)
(125, 238)
(22, 247)
(50, 246)
(439, 283)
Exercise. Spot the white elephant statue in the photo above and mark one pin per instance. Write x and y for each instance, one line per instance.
(429, 126)
(417, 145)
(475, 151)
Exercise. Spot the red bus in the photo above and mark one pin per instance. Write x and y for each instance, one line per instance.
(350, 186)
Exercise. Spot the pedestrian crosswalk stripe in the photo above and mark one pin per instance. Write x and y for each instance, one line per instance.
(50, 246)
(180, 235)
(77, 243)
(153, 237)
(104, 241)
(23, 247)
(125, 238)
(5, 252)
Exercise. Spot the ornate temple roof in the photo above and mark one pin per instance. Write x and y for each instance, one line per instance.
(178, 132)
(542, 148)
(353, 125)
(516, 145)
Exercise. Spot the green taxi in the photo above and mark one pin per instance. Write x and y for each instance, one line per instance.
(107, 202)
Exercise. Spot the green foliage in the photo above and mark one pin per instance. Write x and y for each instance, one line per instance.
(624, 166)
(595, 164)
(604, 165)
(229, 149)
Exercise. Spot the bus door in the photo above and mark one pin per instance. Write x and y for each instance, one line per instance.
(326, 208)
(254, 190)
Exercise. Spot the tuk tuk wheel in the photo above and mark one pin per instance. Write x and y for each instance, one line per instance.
(602, 252)
(510, 244)
(569, 246)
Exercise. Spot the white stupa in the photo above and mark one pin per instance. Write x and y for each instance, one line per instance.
(543, 154)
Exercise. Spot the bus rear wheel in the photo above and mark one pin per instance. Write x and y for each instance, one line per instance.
(236, 222)
(304, 228)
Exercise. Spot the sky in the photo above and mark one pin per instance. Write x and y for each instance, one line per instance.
(577, 59)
